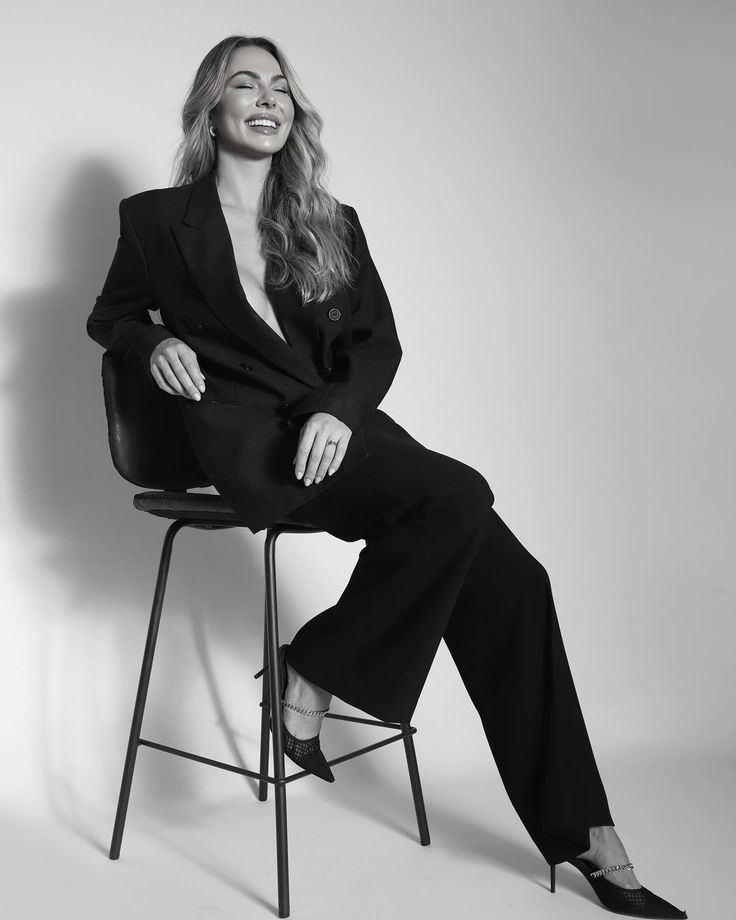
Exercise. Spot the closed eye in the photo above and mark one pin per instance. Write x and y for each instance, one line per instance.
(250, 86)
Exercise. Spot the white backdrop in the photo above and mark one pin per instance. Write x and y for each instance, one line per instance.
(550, 203)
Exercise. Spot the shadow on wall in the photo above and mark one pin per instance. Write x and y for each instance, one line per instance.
(102, 552)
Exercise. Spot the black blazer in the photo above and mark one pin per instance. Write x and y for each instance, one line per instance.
(175, 254)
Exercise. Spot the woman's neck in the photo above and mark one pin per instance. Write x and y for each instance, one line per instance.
(240, 181)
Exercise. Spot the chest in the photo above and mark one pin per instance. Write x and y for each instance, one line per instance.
(251, 267)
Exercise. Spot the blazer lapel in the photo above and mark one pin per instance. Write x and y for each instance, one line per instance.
(204, 241)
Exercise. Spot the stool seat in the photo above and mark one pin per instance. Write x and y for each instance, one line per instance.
(202, 506)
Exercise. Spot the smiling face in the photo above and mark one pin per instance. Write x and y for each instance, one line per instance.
(255, 90)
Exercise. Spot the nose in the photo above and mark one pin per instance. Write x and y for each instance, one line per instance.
(267, 96)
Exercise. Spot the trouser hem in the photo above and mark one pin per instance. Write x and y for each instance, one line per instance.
(560, 844)
(347, 697)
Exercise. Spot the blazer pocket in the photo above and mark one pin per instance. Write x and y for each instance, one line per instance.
(223, 396)
(221, 403)
(219, 393)
(192, 325)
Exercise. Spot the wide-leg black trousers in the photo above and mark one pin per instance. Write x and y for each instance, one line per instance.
(439, 563)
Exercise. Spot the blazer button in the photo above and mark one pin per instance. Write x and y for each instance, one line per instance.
(246, 367)
(334, 314)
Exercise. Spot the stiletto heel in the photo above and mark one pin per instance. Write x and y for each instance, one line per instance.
(304, 752)
(632, 902)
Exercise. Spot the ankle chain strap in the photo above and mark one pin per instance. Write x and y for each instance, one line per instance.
(307, 712)
(611, 869)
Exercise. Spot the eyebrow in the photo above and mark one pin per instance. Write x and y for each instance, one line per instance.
(257, 76)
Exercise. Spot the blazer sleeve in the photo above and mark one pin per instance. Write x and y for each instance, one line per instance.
(364, 368)
(120, 320)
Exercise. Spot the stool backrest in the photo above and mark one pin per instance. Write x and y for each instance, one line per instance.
(148, 441)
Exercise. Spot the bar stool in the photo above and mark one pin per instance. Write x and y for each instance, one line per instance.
(150, 448)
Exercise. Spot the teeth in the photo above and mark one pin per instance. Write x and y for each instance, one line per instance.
(262, 121)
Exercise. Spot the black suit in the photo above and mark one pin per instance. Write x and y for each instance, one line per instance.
(439, 563)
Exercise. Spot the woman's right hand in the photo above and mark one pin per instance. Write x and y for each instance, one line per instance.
(175, 369)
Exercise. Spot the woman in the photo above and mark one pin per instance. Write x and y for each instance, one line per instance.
(278, 343)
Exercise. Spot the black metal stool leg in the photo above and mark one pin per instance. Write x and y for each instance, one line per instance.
(265, 709)
(140, 700)
(272, 631)
(416, 787)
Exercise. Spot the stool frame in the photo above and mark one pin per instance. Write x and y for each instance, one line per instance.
(270, 691)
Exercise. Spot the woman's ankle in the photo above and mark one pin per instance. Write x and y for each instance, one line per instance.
(304, 693)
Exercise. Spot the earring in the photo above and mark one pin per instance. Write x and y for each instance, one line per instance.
(212, 130)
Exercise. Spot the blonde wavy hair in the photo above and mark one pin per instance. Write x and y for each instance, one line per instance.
(305, 237)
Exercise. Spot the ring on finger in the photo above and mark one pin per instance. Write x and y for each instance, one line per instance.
(331, 442)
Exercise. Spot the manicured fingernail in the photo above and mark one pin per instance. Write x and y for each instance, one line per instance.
(307, 482)
(299, 474)
(330, 472)
(196, 395)
(318, 479)
(201, 387)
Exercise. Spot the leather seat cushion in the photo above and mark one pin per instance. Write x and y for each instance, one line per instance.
(204, 506)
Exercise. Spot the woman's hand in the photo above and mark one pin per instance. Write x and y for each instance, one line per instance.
(175, 369)
(314, 456)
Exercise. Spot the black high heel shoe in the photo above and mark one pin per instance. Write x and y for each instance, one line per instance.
(633, 902)
(304, 752)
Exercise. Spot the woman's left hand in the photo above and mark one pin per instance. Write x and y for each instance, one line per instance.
(314, 456)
